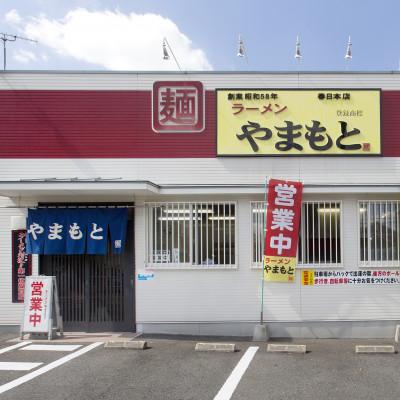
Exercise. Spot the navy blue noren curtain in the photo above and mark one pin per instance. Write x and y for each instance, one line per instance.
(76, 230)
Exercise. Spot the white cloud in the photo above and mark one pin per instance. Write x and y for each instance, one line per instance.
(24, 56)
(12, 17)
(117, 41)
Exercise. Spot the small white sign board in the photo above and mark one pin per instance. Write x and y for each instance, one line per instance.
(40, 295)
(161, 256)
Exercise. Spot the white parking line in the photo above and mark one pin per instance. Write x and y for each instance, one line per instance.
(14, 346)
(18, 366)
(226, 392)
(46, 368)
(53, 347)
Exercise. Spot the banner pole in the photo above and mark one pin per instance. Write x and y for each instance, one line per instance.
(263, 249)
(260, 333)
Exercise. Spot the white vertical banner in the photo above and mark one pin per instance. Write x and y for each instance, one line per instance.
(38, 304)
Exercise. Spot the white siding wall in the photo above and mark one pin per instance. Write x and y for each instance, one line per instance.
(144, 81)
(234, 295)
(206, 171)
(220, 295)
(346, 302)
(10, 313)
(229, 295)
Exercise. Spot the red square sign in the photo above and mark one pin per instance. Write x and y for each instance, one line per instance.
(178, 106)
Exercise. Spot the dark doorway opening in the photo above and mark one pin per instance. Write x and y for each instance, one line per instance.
(96, 292)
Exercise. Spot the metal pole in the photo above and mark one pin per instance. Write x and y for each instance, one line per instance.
(173, 55)
(11, 38)
(4, 54)
(263, 249)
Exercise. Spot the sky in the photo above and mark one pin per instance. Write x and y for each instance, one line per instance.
(203, 34)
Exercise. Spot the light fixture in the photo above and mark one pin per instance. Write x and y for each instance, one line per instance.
(166, 49)
(349, 54)
(188, 211)
(241, 52)
(179, 218)
(222, 218)
(297, 54)
(177, 211)
(328, 210)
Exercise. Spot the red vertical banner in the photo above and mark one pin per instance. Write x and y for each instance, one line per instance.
(21, 265)
(282, 230)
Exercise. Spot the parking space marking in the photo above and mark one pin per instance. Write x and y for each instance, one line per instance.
(226, 392)
(52, 347)
(47, 368)
(13, 347)
(18, 366)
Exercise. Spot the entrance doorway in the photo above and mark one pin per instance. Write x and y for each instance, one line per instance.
(96, 292)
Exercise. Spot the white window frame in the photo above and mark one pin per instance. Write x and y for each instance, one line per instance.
(380, 263)
(188, 265)
(300, 264)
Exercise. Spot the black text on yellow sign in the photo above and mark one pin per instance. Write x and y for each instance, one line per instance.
(279, 269)
(298, 122)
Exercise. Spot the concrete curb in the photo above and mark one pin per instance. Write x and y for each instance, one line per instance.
(128, 344)
(260, 333)
(287, 348)
(397, 334)
(361, 349)
(221, 347)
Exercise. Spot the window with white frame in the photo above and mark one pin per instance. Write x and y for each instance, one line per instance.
(319, 238)
(379, 233)
(182, 234)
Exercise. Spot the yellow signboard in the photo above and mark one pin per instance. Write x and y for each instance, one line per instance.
(298, 122)
(279, 269)
(307, 277)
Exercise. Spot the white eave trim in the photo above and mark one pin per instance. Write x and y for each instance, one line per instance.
(143, 80)
(260, 189)
(146, 188)
(26, 188)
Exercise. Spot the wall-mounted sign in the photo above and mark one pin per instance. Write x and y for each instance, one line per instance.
(298, 122)
(21, 264)
(161, 256)
(282, 230)
(144, 276)
(178, 106)
(328, 278)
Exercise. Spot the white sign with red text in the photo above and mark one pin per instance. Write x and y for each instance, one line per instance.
(38, 304)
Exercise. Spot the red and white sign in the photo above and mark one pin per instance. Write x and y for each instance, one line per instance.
(38, 303)
(21, 264)
(178, 106)
(282, 230)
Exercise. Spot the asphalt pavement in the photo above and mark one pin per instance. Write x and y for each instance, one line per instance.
(330, 370)
(172, 370)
